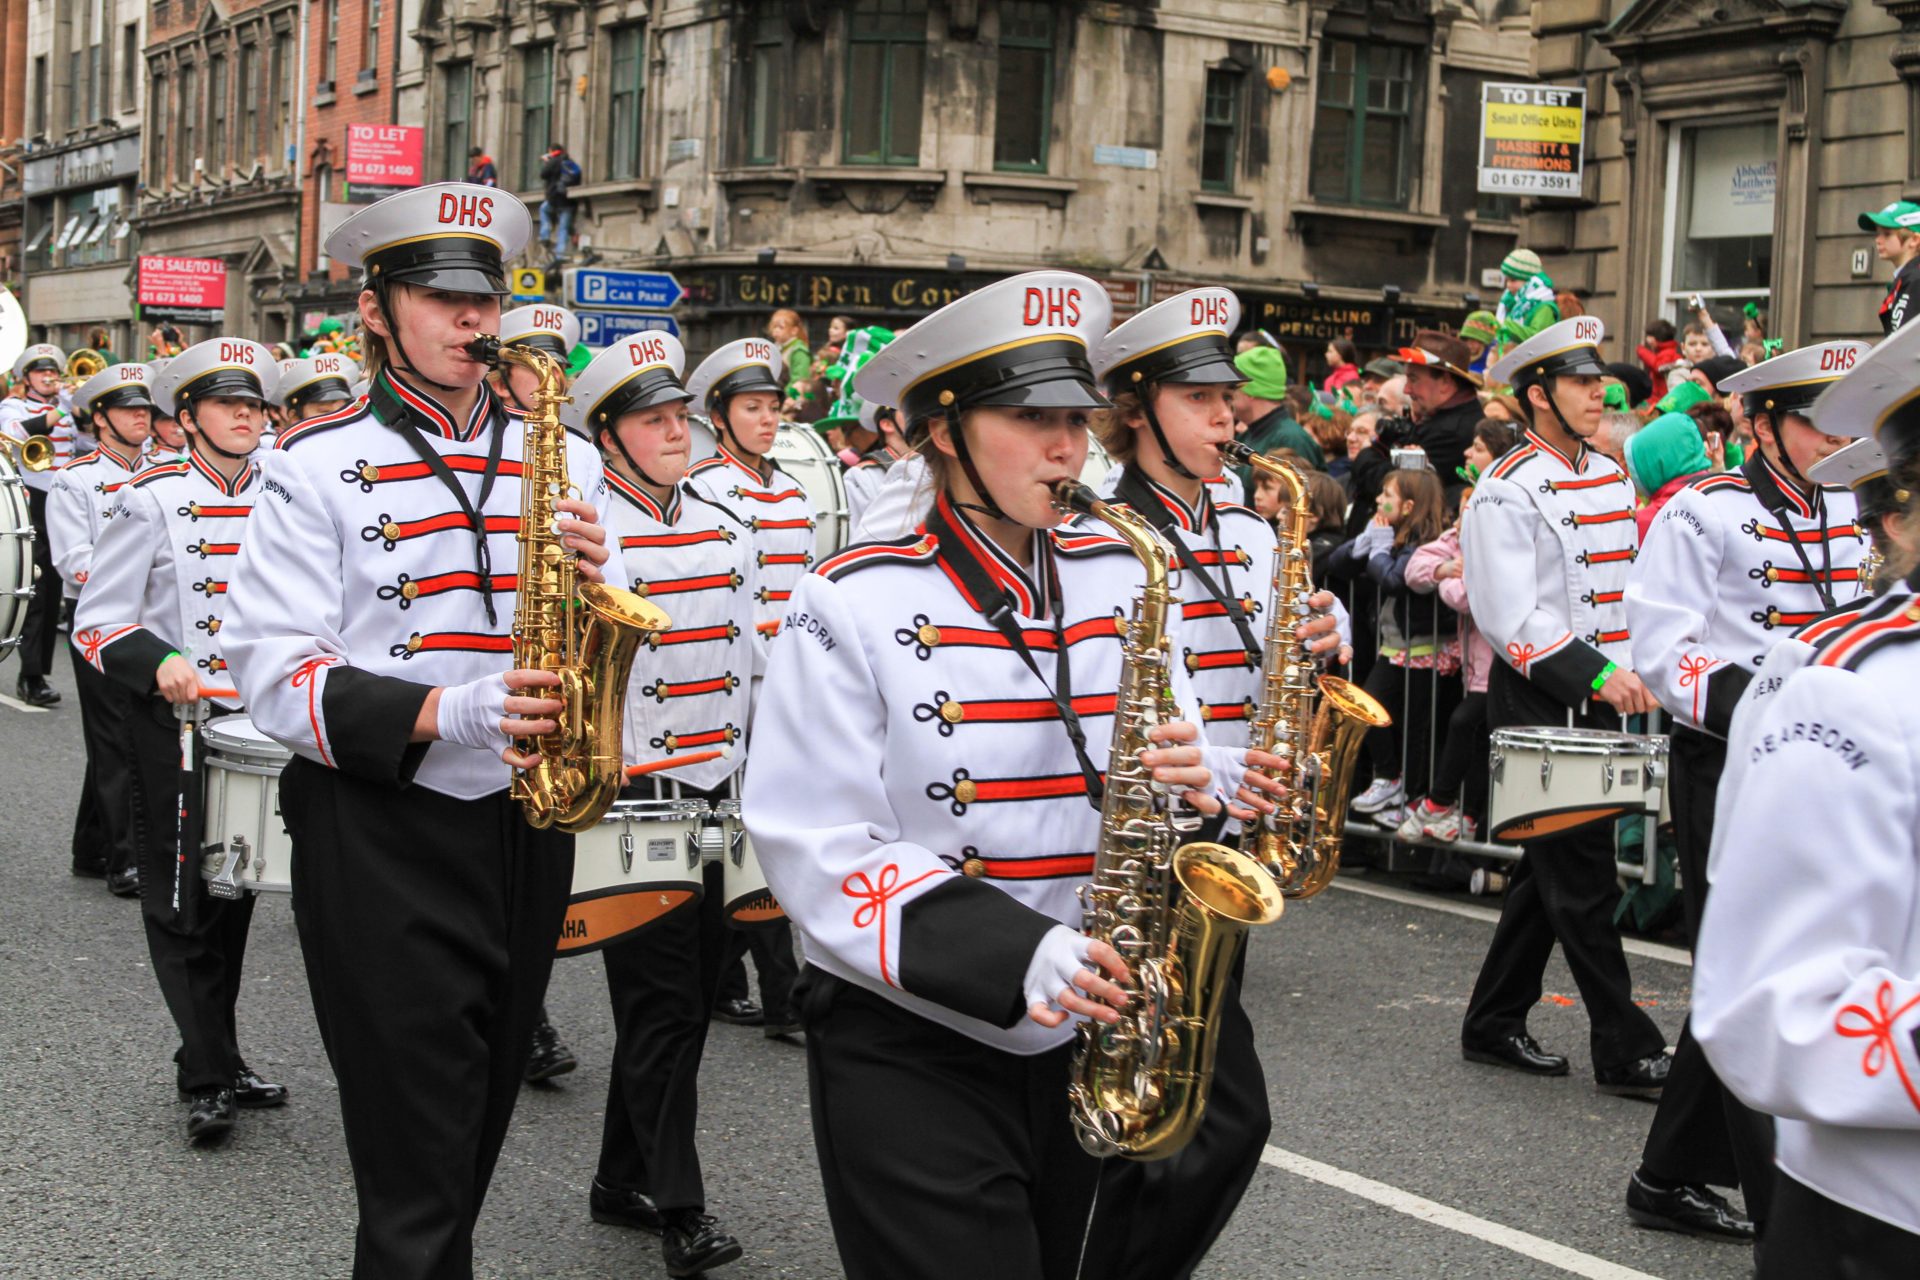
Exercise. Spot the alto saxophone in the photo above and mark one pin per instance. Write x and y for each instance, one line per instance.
(586, 632)
(1175, 914)
(1300, 843)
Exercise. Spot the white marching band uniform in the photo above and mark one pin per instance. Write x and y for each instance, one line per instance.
(79, 504)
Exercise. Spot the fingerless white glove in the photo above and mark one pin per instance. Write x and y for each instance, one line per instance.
(470, 714)
(1061, 954)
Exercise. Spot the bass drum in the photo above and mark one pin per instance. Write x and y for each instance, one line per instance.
(640, 863)
(747, 900)
(804, 454)
(245, 845)
(16, 553)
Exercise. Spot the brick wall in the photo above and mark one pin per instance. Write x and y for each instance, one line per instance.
(354, 99)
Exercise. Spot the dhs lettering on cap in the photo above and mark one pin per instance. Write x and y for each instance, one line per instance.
(236, 353)
(1838, 359)
(135, 373)
(1210, 312)
(646, 351)
(758, 351)
(548, 318)
(1051, 306)
(326, 364)
(1587, 331)
(465, 211)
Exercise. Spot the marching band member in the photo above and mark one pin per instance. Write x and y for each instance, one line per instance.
(738, 387)
(40, 408)
(543, 327)
(1547, 543)
(77, 509)
(369, 631)
(150, 620)
(1807, 975)
(965, 678)
(1731, 562)
(873, 432)
(168, 441)
(317, 386)
(695, 559)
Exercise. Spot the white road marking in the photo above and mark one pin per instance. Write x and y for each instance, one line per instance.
(1559, 1256)
(18, 705)
(1632, 946)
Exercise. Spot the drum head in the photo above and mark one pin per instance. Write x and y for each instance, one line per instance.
(804, 454)
(236, 737)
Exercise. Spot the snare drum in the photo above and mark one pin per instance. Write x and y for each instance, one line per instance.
(638, 864)
(1549, 782)
(747, 899)
(804, 454)
(16, 553)
(244, 843)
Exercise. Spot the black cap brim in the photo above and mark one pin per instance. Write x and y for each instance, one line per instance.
(237, 383)
(127, 397)
(320, 389)
(1198, 362)
(1043, 392)
(755, 377)
(648, 389)
(44, 362)
(1583, 362)
(454, 279)
(549, 342)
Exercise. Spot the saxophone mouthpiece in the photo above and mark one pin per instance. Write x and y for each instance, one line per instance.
(1237, 450)
(485, 349)
(1072, 496)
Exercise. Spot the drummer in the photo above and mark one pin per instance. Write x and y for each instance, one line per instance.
(690, 697)
(39, 407)
(77, 507)
(1547, 543)
(544, 327)
(149, 621)
(1732, 563)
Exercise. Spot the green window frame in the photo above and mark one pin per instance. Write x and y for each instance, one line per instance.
(628, 74)
(1220, 128)
(886, 82)
(536, 112)
(766, 82)
(1023, 99)
(457, 136)
(1363, 122)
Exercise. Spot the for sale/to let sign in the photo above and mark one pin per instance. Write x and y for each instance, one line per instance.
(1530, 139)
(189, 290)
(383, 159)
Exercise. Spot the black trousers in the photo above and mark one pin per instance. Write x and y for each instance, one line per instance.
(1404, 748)
(428, 927)
(43, 607)
(199, 949)
(1462, 771)
(1563, 890)
(1157, 1219)
(663, 982)
(1701, 1132)
(942, 1158)
(107, 823)
(1813, 1238)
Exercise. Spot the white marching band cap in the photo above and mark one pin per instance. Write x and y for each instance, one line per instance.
(217, 367)
(1187, 338)
(1022, 341)
(1569, 348)
(543, 325)
(118, 386)
(1790, 383)
(638, 372)
(327, 376)
(448, 235)
(747, 364)
(40, 355)
(1879, 398)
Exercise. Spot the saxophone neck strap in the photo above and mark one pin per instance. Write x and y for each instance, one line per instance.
(1136, 492)
(482, 555)
(996, 606)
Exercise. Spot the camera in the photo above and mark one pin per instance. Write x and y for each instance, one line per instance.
(1397, 430)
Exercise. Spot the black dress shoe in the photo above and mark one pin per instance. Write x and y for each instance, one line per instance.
(1519, 1051)
(209, 1114)
(694, 1241)
(741, 1012)
(1690, 1210)
(35, 692)
(779, 1028)
(549, 1058)
(624, 1208)
(96, 870)
(254, 1093)
(1642, 1079)
(124, 884)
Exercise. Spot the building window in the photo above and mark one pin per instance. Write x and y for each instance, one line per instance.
(886, 76)
(766, 83)
(76, 88)
(40, 96)
(330, 55)
(283, 74)
(1220, 128)
(217, 119)
(370, 40)
(457, 82)
(1362, 127)
(184, 129)
(130, 67)
(1023, 102)
(536, 112)
(157, 111)
(1719, 217)
(248, 152)
(629, 86)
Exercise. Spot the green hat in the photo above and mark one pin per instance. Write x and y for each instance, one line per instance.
(328, 326)
(1901, 215)
(1480, 327)
(1683, 397)
(860, 346)
(1521, 264)
(1266, 371)
(845, 412)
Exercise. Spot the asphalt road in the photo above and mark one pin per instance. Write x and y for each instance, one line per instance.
(1390, 1156)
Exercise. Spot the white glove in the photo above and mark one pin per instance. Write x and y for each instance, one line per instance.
(1061, 954)
(470, 714)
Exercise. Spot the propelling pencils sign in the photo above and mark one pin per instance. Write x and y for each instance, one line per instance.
(1531, 139)
(384, 158)
(186, 289)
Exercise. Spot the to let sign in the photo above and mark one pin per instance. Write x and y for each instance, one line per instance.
(383, 158)
(1531, 139)
(191, 290)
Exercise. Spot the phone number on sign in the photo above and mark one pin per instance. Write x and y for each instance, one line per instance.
(1530, 183)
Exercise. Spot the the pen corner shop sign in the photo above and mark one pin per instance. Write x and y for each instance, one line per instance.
(1531, 139)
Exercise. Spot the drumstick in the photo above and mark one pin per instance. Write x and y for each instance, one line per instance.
(674, 762)
(767, 628)
(213, 691)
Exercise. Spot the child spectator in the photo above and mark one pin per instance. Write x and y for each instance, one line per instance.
(1453, 806)
(1695, 345)
(1656, 352)
(1417, 641)
(1492, 437)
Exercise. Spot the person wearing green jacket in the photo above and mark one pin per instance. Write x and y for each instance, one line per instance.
(1662, 458)
(1527, 306)
(1260, 407)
